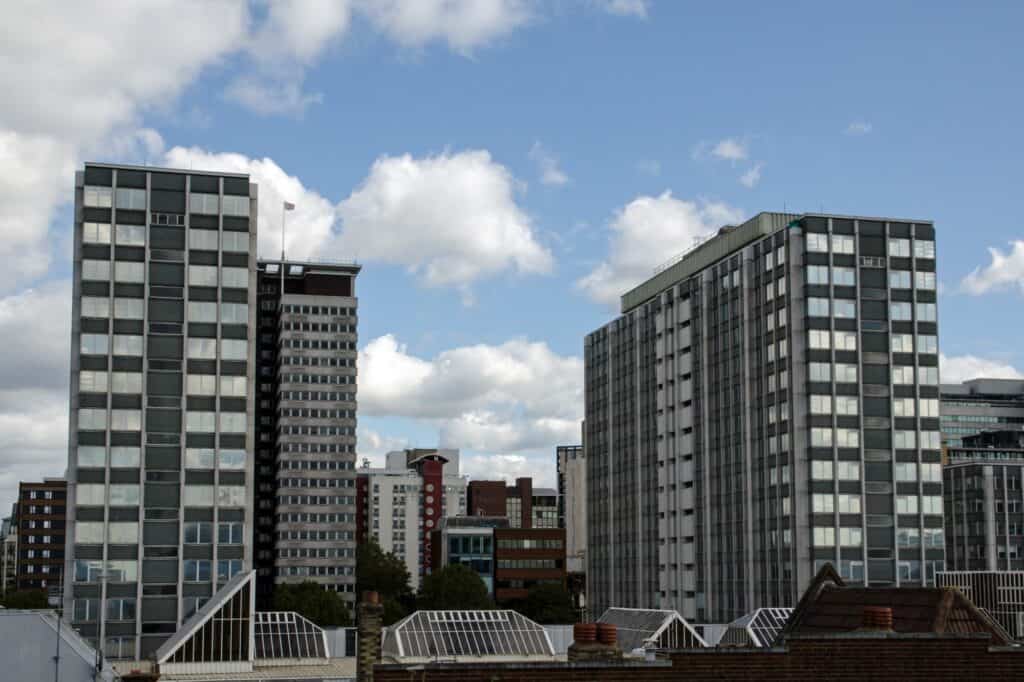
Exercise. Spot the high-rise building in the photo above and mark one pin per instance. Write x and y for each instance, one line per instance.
(305, 427)
(746, 413)
(980, 405)
(524, 505)
(572, 504)
(42, 519)
(9, 553)
(401, 505)
(160, 466)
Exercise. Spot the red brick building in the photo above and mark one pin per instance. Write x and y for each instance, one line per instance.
(526, 557)
(524, 505)
(42, 519)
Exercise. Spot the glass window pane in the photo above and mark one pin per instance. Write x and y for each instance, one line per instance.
(130, 235)
(129, 308)
(96, 270)
(206, 240)
(129, 271)
(95, 307)
(96, 233)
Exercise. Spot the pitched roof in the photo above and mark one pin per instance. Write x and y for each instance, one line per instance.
(651, 628)
(204, 614)
(830, 606)
(450, 634)
(759, 628)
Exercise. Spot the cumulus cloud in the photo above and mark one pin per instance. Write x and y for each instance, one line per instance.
(463, 24)
(752, 176)
(730, 149)
(1006, 270)
(540, 467)
(625, 8)
(960, 368)
(858, 128)
(374, 446)
(644, 233)
(547, 164)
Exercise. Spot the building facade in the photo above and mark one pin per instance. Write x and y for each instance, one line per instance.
(401, 505)
(525, 558)
(522, 504)
(42, 520)
(980, 405)
(984, 502)
(748, 412)
(160, 466)
(572, 504)
(469, 541)
(305, 427)
(9, 554)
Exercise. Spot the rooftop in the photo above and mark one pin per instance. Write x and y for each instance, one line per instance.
(474, 634)
(163, 169)
(651, 629)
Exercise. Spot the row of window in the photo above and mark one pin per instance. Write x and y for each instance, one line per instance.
(210, 422)
(118, 609)
(95, 532)
(526, 543)
(201, 532)
(312, 413)
(317, 448)
(311, 517)
(317, 379)
(135, 235)
(316, 482)
(315, 553)
(320, 327)
(133, 344)
(847, 309)
(128, 495)
(315, 535)
(529, 563)
(315, 499)
(840, 243)
(133, 199)
(316, 310)
(304, 430)
(315, 361)
(135, 272)
(328, 396)
(313, 571)
(318, 344)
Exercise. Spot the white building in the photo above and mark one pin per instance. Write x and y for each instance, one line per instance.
(572, 504)
(399, 505)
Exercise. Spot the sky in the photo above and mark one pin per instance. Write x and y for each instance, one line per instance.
(503, 170)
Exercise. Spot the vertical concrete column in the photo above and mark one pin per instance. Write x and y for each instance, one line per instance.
(991, 548)
(371, 614)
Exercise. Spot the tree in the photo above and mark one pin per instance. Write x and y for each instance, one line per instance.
(326, 608)
(455, 587)
(548, 603)
(381, 572)
(26, 599)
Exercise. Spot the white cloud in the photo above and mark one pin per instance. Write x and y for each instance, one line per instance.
(858, 128)
(547, 163)
(752, 176)
(646, 232)
(451, 219)
(960, 368)
(1005, 271)
(374, 446)
(625, 8)
(539, 467)
(463, 24)
(730, 149)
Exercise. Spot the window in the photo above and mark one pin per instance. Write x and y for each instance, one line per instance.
(931, 440)
(821, 438)
(201, 384)
(96, 233)
(92, 382)
(206, 240)
(820, 371)
(87, 609)
(199, 458)
(842, 243)
(927, 343)
(229, 533)
(91, 456)
(234, 313)
(232, 422)
(90, 494)
(126, 382)
(202, 311)
(122, 608)
(129, 308)
(846, 373)
(817, 274)
(899, 279)
(200, 422)
(931, 504)
(232, 459)
(849, 471)
(926, 312)
(906, 472)
(847, 438)
(924, 249)
(769, 263)
(934, 537)
(844, 309)
(94, 344)
(228, 568)
(132, 199)
(817, 307)
(237, 242)
(92, 420)
(817, 243)
(899, 248)
(908, 537)
(769, 291)
(99, 197)
(845, 340)
(231, 495)
(846, 404)
(125, 344)
(129, 271)
(844, 277)
(928, 376)
(123, 533)
(233, 349)
(124, 494)
(850, 537)
(96, 270)
(824, 537)
(208, 204)
(124, 456)
(95, 307)
(233, 386)
(821, 404)
(122, 571)
(849, 504)
(925, 280)
(931, 472)
(202, 349)
(823, 503)
(202, 275)
(902, 343)
(929, 407)
(906, 504)
(903, 407)
(820, 339)
(89, 532)
(196, 570)
(902, 375)
(126, 420)
(130, 235)
(234, 277)
(198, 532)
(821, 470)
(900, 310)
(198, 496)
(235, 206)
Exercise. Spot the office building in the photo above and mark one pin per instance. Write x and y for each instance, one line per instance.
(525, 506)
(746, 416)
(402, 504)
(42, 520)
(572, 504)
(160, 466)
(984, 502)
(305, 427)
(9, 553)
(469, 541)
(980, 405)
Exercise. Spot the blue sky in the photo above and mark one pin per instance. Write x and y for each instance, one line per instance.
(503, 168)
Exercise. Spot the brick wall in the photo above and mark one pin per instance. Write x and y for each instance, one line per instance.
(906, 658)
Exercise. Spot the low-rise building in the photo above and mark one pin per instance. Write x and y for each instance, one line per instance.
(468, 540)
(524, 505)
(525, 558)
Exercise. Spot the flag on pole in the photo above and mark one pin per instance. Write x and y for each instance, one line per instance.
(289, 206)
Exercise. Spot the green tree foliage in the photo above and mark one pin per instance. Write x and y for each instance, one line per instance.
(26, 599)
(547, 603)
(455, 587)
(326, 608)
(387, 575)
